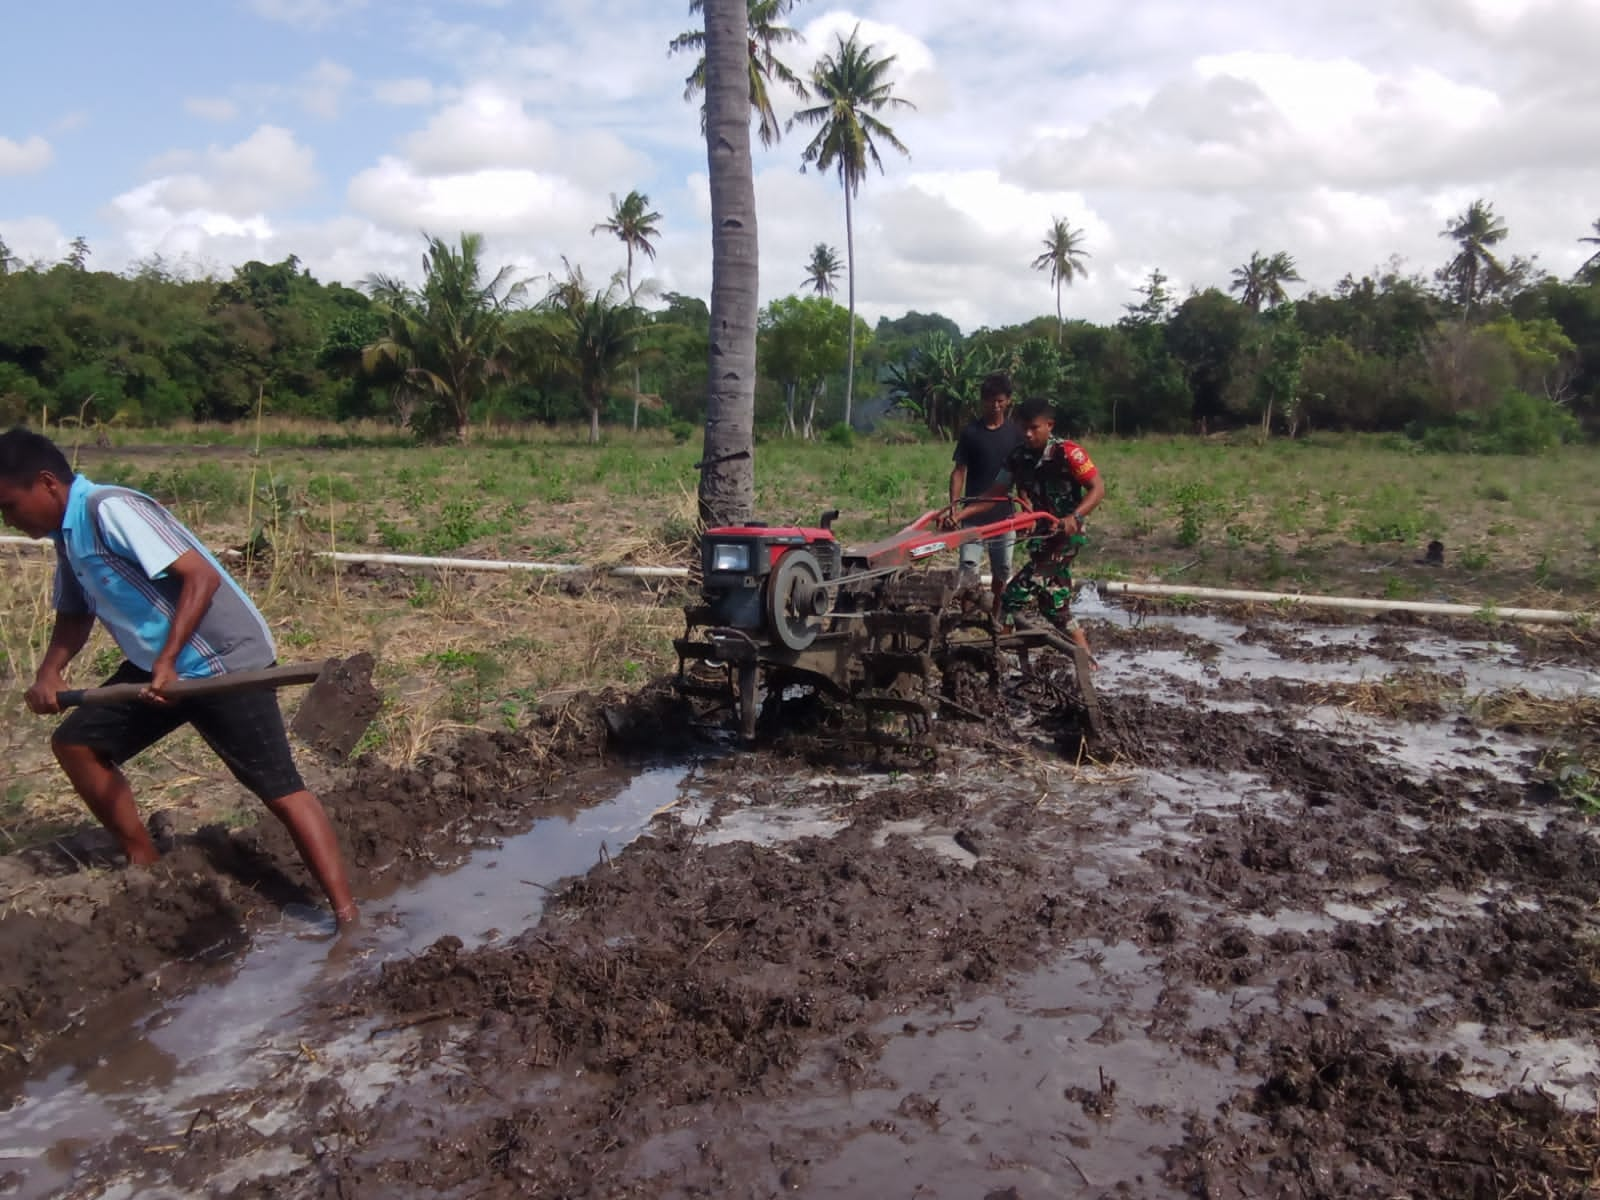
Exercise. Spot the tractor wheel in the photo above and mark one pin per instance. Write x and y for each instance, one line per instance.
(794, 606)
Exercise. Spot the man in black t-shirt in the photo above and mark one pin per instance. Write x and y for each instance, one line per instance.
(981, 451)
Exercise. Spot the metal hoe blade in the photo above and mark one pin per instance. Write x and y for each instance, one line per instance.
(339, 707)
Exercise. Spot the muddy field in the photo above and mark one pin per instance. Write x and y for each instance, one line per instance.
(1307, 923)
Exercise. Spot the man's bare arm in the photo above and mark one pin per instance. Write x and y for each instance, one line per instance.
(68, 637)
(1090, 502)
(958, 484)
(200, 581)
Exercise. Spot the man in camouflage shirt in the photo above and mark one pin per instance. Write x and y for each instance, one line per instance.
(1053, 475)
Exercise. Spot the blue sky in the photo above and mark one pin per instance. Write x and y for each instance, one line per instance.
(1175, 135)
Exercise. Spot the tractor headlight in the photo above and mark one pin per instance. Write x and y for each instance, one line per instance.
(730, 556)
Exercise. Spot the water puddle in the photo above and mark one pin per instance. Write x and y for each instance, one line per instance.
(1567, 1068)
(1426, 748)
(1484, 666)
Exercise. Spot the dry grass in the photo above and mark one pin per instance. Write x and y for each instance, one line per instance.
(1574, 717)
(1404, 696)
(454, 650)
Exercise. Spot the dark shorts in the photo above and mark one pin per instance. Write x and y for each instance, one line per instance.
(245, 730)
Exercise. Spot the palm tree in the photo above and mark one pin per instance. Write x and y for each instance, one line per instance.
(591, 336)
(634, 224)
(1474, 269)
(7, 259)
(727, 466)
(1591, 268)
(1063, 257)
(1260, 281)
(764, 33)
(853, 87)
(446, 339)
(822, 271)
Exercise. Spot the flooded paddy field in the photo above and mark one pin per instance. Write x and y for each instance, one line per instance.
(1313, 920)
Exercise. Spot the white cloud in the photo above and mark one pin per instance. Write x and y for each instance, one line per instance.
(405, 92)
(305, 14)
(489, 200)
(35, 239)
(490, 128)
(211, 108)
(223, 195)
(322, 90)
(26, 157)
(1255, 120)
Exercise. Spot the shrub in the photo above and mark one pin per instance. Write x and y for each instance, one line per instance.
(1516, 424)
(21, 395)
(1524, 424)
(840, 435)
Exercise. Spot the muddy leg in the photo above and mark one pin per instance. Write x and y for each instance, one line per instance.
(1055, 600)
(105, 790)
(308, 824)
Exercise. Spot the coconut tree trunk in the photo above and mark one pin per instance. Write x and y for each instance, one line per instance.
(850, 254)
(1061, 328)
(635, 365)
(727, 472)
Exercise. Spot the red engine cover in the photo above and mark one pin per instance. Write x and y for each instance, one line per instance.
(778, 539)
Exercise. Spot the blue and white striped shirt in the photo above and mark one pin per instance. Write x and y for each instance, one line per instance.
(112, 554)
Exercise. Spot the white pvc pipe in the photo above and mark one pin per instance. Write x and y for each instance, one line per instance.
(496, 564)
(457, 564)
(1549, 616)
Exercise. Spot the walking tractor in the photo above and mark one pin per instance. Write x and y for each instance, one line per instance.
(787, 610)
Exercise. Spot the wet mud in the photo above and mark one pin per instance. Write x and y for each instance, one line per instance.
(78, 932)
(1246, 944)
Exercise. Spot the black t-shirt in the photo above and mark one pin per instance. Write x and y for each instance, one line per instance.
(983, 451)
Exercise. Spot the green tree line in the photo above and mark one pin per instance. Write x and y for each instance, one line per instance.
(1484, 354)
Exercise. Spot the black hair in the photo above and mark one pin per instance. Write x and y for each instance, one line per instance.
(1032, 409)
(24, 454)
(995, 383)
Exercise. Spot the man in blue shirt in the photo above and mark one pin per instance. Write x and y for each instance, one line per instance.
(176, 614)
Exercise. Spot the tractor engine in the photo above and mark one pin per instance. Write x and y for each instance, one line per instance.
(764, 579)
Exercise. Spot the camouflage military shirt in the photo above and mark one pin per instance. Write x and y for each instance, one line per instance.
(1053, 479)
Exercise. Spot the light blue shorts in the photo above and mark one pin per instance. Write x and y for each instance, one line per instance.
(999, 549)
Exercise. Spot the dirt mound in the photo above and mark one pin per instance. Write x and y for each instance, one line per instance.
(644, 965)
(1340, 1118)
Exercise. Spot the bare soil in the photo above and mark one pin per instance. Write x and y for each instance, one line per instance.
(1231, 950)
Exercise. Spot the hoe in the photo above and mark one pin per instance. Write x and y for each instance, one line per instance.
(788, 609)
